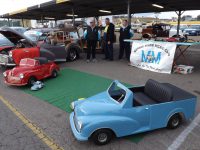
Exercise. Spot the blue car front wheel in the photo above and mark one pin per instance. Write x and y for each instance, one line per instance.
(102, 136)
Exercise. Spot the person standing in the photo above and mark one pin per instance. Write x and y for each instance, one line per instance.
(125, 33)
(92, 35)
(109, 39)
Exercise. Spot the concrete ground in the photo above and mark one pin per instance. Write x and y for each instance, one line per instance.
(55, 123)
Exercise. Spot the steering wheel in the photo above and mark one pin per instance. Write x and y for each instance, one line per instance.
(20, 44)
(47, 40)
(121, 98)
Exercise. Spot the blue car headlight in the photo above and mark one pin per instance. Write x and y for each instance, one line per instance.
(79, 125)
(72, 105)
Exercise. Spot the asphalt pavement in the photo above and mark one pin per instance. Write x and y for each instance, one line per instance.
(14, 135)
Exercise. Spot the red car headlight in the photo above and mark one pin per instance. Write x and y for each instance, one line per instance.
(10, 54)
(5, 74)
(21, 75)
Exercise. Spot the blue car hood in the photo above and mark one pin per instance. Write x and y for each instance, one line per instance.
(97, 105)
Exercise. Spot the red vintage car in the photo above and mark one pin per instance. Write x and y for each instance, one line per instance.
(30, 71)
(24, 47)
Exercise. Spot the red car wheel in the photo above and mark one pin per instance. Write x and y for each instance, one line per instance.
(54, 74)
(31, 81)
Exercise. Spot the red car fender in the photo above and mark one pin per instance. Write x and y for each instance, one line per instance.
(7, 72)
(27, 76)
(54, 67)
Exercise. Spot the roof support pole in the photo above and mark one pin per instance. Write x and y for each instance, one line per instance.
(55, 23)
(179, 13)
(42, 20)
(22, 22)
(129, 11)
(9, 22)
(97, 19)
(73, 17)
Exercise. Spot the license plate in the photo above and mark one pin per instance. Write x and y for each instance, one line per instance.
(13, 79)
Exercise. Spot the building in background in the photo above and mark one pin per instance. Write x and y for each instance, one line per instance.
(15, 23)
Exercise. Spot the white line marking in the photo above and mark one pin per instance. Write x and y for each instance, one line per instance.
(181, 138)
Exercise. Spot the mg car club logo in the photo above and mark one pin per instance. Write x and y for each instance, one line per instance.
(151, 57)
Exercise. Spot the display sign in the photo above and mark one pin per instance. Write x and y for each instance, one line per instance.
(152, 55)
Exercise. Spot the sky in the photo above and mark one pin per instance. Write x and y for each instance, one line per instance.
(7, 6)
(169, 15)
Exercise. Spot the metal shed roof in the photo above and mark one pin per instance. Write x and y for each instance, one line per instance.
(86, 8)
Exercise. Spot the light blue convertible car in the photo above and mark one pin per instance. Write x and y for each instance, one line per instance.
(122, 111)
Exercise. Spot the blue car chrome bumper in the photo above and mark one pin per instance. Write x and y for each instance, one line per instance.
(77, 135)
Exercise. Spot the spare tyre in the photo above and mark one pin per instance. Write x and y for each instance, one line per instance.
(147, 36)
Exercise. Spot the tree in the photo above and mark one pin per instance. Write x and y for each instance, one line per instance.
(198, 17)
(186, 18)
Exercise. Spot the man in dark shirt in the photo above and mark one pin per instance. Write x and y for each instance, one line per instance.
(92, 35)
(125, 33)
(109, 39)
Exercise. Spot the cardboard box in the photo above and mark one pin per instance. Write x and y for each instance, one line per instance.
(183, 69)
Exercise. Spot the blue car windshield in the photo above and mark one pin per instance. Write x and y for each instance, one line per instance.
(116, 93)
(33, 35)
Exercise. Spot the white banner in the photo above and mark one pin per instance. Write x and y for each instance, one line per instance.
(152, 55)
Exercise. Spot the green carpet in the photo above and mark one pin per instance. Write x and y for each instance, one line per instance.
(71, 85)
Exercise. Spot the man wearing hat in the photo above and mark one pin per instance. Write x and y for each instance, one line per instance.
(92, 35)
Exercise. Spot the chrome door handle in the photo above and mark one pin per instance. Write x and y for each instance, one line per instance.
(26, 51)
(147, 108)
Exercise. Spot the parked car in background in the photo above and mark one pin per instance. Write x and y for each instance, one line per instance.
(26, 48)
(31, 70)
(38, 35)
(66, 42)
(182, 27)
(76, 23)
(193, 30)
(72, 37)
(160, 30)
(173, 32)
(120, 111)
(137, 28)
